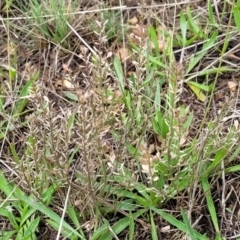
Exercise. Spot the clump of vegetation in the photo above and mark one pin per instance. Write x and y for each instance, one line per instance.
(119, 122)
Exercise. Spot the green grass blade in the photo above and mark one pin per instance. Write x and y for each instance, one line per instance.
(49, 213)
(192, 25)
(119, 72)
(14, 153)
(210, 204)
(180, 225)
(210, 13)
(72, 214)
(210, 71)
(153, 227)
(156, 61)
(5, 186)
(127, 205)
(24, 95)
(101, 230)
(184, 27)
(235, 154)
(66, 232)
(232, 169)
(71, 96)
(119, 226)
(7, 235)
(32, 227)
(217, 160)
(7, 213)
(47, 195)
(236, 13)
(208, 45)
(202, 86)
(159, 125)
(1, 104)
(189, 227)
(116, 228)
(26, 215)
(157, 98)
(131, 226)
(154, 38)
(200, 95)
(71, 121)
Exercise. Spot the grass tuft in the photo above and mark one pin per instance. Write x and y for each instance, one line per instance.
(119, 121)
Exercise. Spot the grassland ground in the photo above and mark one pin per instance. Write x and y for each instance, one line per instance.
(119, 119)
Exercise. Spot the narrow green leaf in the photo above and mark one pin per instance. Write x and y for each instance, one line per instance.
(119, 72)
(189, 227)
(149, 78)
(31, 228)
(156, 126)
(220, 155)
(66, 232)
(49, 213)
(163, 125)
(5, 186)
(12, 73)
(192, 40)
(14, 153)
(234, 154)
(211, 207)
(101, 230)
(131, 226)
(24, 95)
(71, 121)
(210, 13)
(144, 202)
(132, 150)
(180, 185)
(4, 212)
(127, 205)
(196, 59)
(180, 225)
(7, 212)
(183, 26)
(119, 226)
(71, 96)
(209, 71)
(153, 38)
(20, 234)
(188, 122)
(46, 196)
(73, 154)
(72, 214)
(153, 228)
(142, 189)
(26, 215)
(124, 193)
(159, 125)
(156, 61)
(7, 235)
(236, 13)
(200, 95)
(201, 86)
(128, 101)
(157, 98)
(7, 5)
(192, 25)
(235, 168)
(1, 105)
